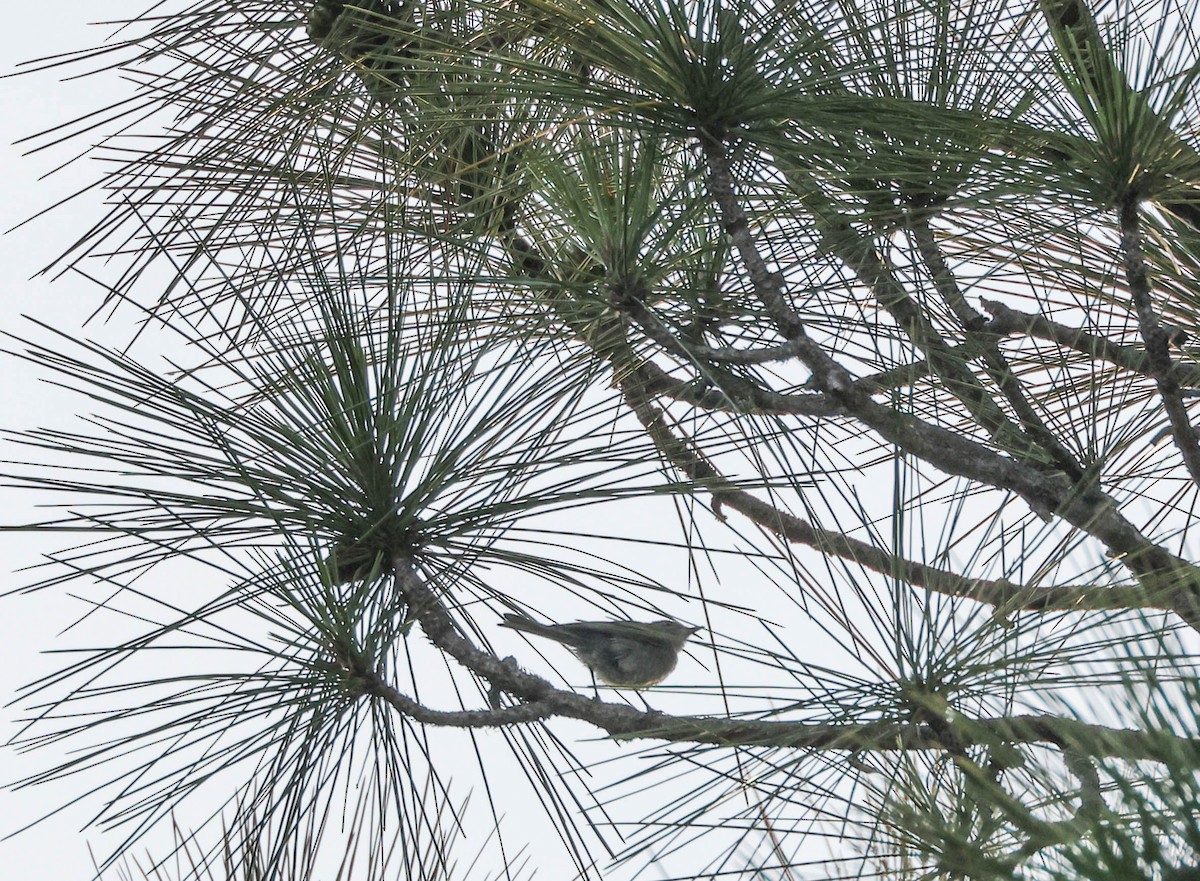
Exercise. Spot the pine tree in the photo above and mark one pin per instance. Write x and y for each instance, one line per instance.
(859, 334)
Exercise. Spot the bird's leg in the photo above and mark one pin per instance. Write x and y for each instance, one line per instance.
(595, 687)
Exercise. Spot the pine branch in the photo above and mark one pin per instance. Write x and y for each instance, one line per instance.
(1158, 356)
(627, 723)
(1085, 507)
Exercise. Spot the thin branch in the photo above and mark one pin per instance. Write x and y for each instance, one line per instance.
(840, 238)
(768, 285)
(997, 366)
(1155, 337)
(946, 362)
(491, 718)
(658, 331)
(734, 394)
(626, 722)
(1004, 595)
(730, 355)
(1005, 320)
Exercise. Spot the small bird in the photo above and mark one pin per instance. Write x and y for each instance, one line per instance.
(625, 654)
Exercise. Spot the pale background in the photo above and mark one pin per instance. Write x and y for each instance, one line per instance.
(29, 625)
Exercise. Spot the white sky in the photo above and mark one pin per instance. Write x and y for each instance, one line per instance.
(29, 625)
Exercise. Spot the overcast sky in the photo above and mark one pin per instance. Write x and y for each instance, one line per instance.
(29, 625)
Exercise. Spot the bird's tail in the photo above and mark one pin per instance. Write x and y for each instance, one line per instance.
(528, 625)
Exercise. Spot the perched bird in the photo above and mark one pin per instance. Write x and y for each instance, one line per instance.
(625, 654)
